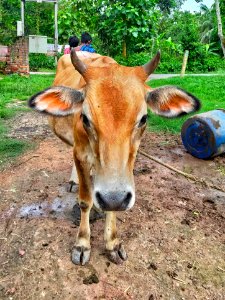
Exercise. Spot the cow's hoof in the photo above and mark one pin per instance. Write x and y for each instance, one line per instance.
(118, 255)
(80, 255)
(72, 186)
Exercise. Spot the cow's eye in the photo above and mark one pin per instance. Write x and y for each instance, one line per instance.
(143, 121)
(85, 120)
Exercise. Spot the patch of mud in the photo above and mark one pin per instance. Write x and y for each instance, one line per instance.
(29, 126)
(60, 208)
(174, 235)
(65, 207)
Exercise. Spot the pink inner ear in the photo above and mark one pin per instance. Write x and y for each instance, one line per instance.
(53, 102)
(176, 103)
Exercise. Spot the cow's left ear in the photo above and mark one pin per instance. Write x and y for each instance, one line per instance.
(171, 101)
(57, 101)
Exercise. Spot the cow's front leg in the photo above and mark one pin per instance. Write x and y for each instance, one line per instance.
(114, 248)
(81, 251)
(73, 178)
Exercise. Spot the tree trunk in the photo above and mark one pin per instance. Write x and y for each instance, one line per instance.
(124, 49)
(220, 29)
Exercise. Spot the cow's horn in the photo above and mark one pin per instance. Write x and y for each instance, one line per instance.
(77, 63)
(152, 64)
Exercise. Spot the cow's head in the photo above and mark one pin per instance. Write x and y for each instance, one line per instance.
(113, 110)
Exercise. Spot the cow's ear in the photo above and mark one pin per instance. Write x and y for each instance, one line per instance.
(57, 100)
(171, 101)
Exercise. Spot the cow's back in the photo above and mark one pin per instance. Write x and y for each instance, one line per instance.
(66, 75)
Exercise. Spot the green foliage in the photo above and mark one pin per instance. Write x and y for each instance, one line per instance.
(2, 66)
(122, 22)
(9, 13)
(173, 63)
(202, 61)
(201, 87)
(75, 17)
(39, 61)
(214, 63)
(136, 59)
(138, 28)
(170, 64)
(35, 13)
(167, 6)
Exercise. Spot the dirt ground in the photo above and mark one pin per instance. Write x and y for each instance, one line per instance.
(174, 235)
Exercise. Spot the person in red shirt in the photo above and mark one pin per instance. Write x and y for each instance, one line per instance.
(73, 42)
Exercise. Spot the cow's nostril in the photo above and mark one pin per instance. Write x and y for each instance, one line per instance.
(101, 201)
(127, 199)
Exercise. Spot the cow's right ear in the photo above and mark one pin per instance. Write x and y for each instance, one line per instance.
(57, 100)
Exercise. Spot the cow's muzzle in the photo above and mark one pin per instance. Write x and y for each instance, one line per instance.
(114, 201)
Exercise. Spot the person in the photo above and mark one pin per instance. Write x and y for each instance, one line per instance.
(85, 43)
(73, 42)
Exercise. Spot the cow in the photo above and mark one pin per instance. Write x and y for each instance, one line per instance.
(100, 108)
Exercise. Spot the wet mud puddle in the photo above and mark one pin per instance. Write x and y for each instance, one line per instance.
(64, 207)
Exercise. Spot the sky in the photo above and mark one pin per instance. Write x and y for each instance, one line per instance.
(192, 6)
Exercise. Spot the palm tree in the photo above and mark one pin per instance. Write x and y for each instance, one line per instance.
(219, 25)
(207, 26)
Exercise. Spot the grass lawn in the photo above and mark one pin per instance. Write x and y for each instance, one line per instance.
(210, 90)
(14, 89)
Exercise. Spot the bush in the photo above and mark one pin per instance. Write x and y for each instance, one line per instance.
(170, 64)
(214, 63)
(198, 62)
(41, 61)
(132, 60)
(206, 63)
(167, 65)
(2, 66)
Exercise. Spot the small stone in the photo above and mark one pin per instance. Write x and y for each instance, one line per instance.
(21, 252)
(153, 266)
(45, 244)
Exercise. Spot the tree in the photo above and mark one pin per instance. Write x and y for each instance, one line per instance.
(38, 19)
(220, 28)
(76, 17)
(122, 24)
(9, 13)
(207, 26)
(167, 6)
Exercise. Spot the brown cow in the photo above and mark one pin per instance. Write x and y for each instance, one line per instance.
(100, 108)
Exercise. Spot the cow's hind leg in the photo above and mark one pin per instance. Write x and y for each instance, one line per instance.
(81, 251)
(114, 248)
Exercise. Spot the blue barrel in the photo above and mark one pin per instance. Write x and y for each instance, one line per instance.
(204, 134)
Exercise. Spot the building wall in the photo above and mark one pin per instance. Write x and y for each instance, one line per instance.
(17, 60)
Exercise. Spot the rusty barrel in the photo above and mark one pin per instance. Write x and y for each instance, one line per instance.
(204, 134)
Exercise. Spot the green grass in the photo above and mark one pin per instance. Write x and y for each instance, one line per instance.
(14, 88)
(209, 90)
